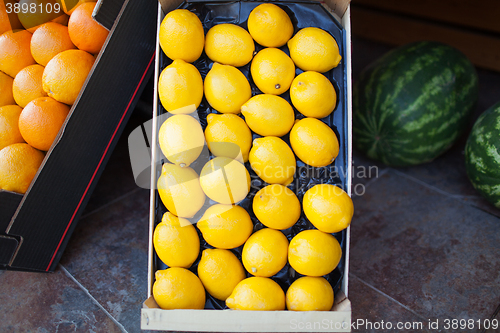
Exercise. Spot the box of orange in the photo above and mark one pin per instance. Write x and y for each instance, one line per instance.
(35, 227)
(215, 314)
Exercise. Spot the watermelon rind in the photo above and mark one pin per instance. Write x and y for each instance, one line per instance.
(482, 155)
(412, 104)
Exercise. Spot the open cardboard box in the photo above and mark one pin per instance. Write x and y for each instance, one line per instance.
(36, 227)
(336, 320)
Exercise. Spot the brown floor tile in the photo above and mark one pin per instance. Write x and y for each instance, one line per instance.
(38, 302)
(426, 250)
(373, 311)
(108, 256)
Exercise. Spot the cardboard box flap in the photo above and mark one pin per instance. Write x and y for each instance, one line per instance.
(106, 12)
(337, 6)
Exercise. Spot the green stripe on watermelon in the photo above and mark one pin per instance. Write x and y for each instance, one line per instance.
(412, 104)
(482, 155)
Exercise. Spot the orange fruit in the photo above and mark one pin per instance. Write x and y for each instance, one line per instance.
(49, 40)
(84, 31)
(8, 21)
(38, 12)
(63, 19)
(65, 74)
(9, 128)
(6, 97)
(18, 166)
(28, 85)
(15, 52)
(41, 120)
(69, 6)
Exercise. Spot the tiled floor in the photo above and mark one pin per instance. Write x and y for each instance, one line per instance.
(424, 246)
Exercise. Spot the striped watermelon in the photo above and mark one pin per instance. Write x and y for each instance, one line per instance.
(482, 155)
(413, 103)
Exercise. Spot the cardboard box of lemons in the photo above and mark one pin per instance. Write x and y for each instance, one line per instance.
(268, 115)
(265, 252)
(276, 206)
(314, 253)
(314, 142)
(226, 88)
(309, 294)
(182, 35)
(180, 190)
(178, 288)
(176, 241)
(313, 95)
(328, 208)
(225, 226)
(220, 271)
(180, 87)
(228, 135)
(225, 180)
(314, 49)
(181, 139)
(229, 44)
(272, 160)
(269, 25)
(272, 71)
(257, 294)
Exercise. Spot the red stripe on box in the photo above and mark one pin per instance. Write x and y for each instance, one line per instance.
(100, 162)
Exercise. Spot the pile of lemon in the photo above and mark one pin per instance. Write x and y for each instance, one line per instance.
(246, 284)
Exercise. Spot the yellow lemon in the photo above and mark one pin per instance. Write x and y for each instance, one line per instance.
(313, 95)
(180, 87)
(228, 135)
(268, 115)
(314, 49)
(225, 180)
(328, 207)
(309, 294)
(226, 88)
(181, 139)
(181, 35)
(229, 44)
(276, 206)
(180, 190)
(269, 25)
(314, 142)
(176, 241)
(178, 288)
(314, 253)
(272, 160)
(225, 226)
(257, 294)
(220, 271)
(265, 252)
(272, 71)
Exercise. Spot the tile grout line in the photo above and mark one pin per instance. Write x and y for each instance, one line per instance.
(68, 274)
(110, 203)
(387, 296)
(442, 192)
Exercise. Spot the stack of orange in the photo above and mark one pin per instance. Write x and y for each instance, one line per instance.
(45, 59)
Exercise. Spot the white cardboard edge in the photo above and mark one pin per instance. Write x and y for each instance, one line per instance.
(346, 23)
(246, 321)
(154, 150)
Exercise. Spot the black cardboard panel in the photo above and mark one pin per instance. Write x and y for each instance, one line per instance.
(57, 198)
(108, 11)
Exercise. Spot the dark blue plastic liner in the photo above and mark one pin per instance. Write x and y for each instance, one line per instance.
(302, 14)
